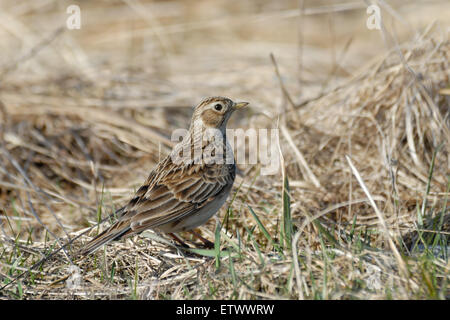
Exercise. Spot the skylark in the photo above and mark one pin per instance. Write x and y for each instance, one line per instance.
(186, 188)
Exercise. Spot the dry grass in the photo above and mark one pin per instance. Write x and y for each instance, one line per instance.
(358, 211)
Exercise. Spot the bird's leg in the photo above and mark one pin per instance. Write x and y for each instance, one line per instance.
(206, 242)
(174, 237)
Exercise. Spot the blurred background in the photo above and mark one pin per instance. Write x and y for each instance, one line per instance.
(169, 52)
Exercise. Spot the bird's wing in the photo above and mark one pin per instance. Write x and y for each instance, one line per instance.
(175, 192)
(171, 192)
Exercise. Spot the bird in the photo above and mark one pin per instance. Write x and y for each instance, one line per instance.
(186, 188)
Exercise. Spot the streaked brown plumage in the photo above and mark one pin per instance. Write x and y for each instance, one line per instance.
(181, 195)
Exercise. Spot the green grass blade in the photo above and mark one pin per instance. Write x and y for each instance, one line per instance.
(217, 244)
(264, 230)
(287, 219)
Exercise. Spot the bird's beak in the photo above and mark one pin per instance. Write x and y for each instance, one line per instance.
(240, 105)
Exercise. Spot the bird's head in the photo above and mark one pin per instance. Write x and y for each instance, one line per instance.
(214, 112)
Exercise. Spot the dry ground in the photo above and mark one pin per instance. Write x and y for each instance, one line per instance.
(358, 209)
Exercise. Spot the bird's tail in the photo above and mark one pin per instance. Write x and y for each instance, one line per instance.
(115, 232)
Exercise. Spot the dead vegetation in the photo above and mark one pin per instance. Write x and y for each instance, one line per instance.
(86, 114)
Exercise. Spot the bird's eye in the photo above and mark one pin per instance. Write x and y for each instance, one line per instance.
(218, 107)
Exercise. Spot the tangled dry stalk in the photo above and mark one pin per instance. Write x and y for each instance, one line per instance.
(365, 159)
